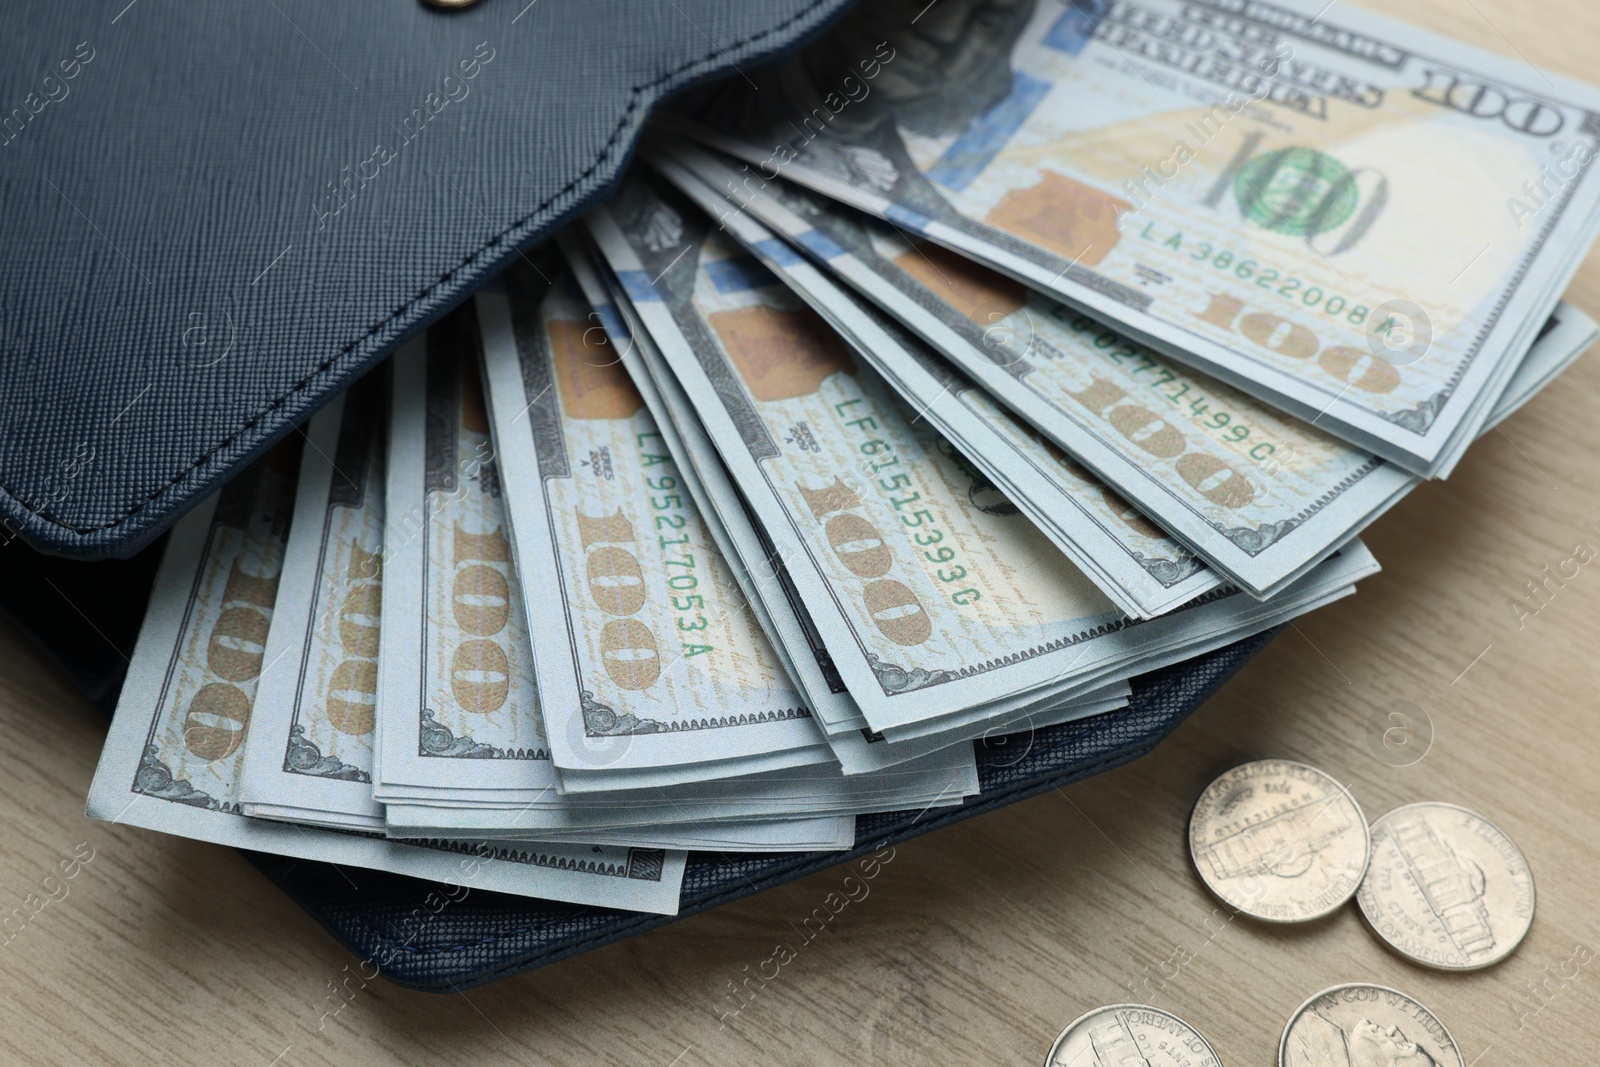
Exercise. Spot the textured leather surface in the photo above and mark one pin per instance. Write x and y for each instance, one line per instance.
(85, 616)
(214, 216)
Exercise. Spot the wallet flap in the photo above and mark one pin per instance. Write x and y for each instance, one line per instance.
(217, 217)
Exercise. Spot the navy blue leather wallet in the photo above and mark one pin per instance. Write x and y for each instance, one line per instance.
(216, 217)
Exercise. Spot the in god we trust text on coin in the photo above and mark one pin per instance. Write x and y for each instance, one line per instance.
(1279, 841)
(1363, 1025)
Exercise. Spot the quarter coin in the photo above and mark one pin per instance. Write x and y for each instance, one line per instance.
(1279, 841)
(1120, 1034)
(1361, 1025)
(1446, 887)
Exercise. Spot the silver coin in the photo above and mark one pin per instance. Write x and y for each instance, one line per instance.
(1279, 841)
(1123, 1034)
(1446, 887)
(1361, 1025)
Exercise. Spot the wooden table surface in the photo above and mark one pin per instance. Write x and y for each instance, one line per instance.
(977, 944)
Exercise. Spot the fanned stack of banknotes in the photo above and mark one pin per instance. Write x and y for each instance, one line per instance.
(926, 386)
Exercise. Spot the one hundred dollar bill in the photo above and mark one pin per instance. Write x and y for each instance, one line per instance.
(1260, 496)
(925, 783)
(309, 753)
(1354, 220)
(642, 636)
(756, 566)
(932, 601)
(461, 700)
(762, 572)
(1214, 621)
(458, 699)
(1142, 569)
(461, 717)
(173, 759)
(309, 757)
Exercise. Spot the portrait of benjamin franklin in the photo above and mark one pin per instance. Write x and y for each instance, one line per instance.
(1316, 1041)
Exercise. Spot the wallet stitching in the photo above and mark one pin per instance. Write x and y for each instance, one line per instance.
(635, 94)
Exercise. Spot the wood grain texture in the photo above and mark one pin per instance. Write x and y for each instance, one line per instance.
(976, 944)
